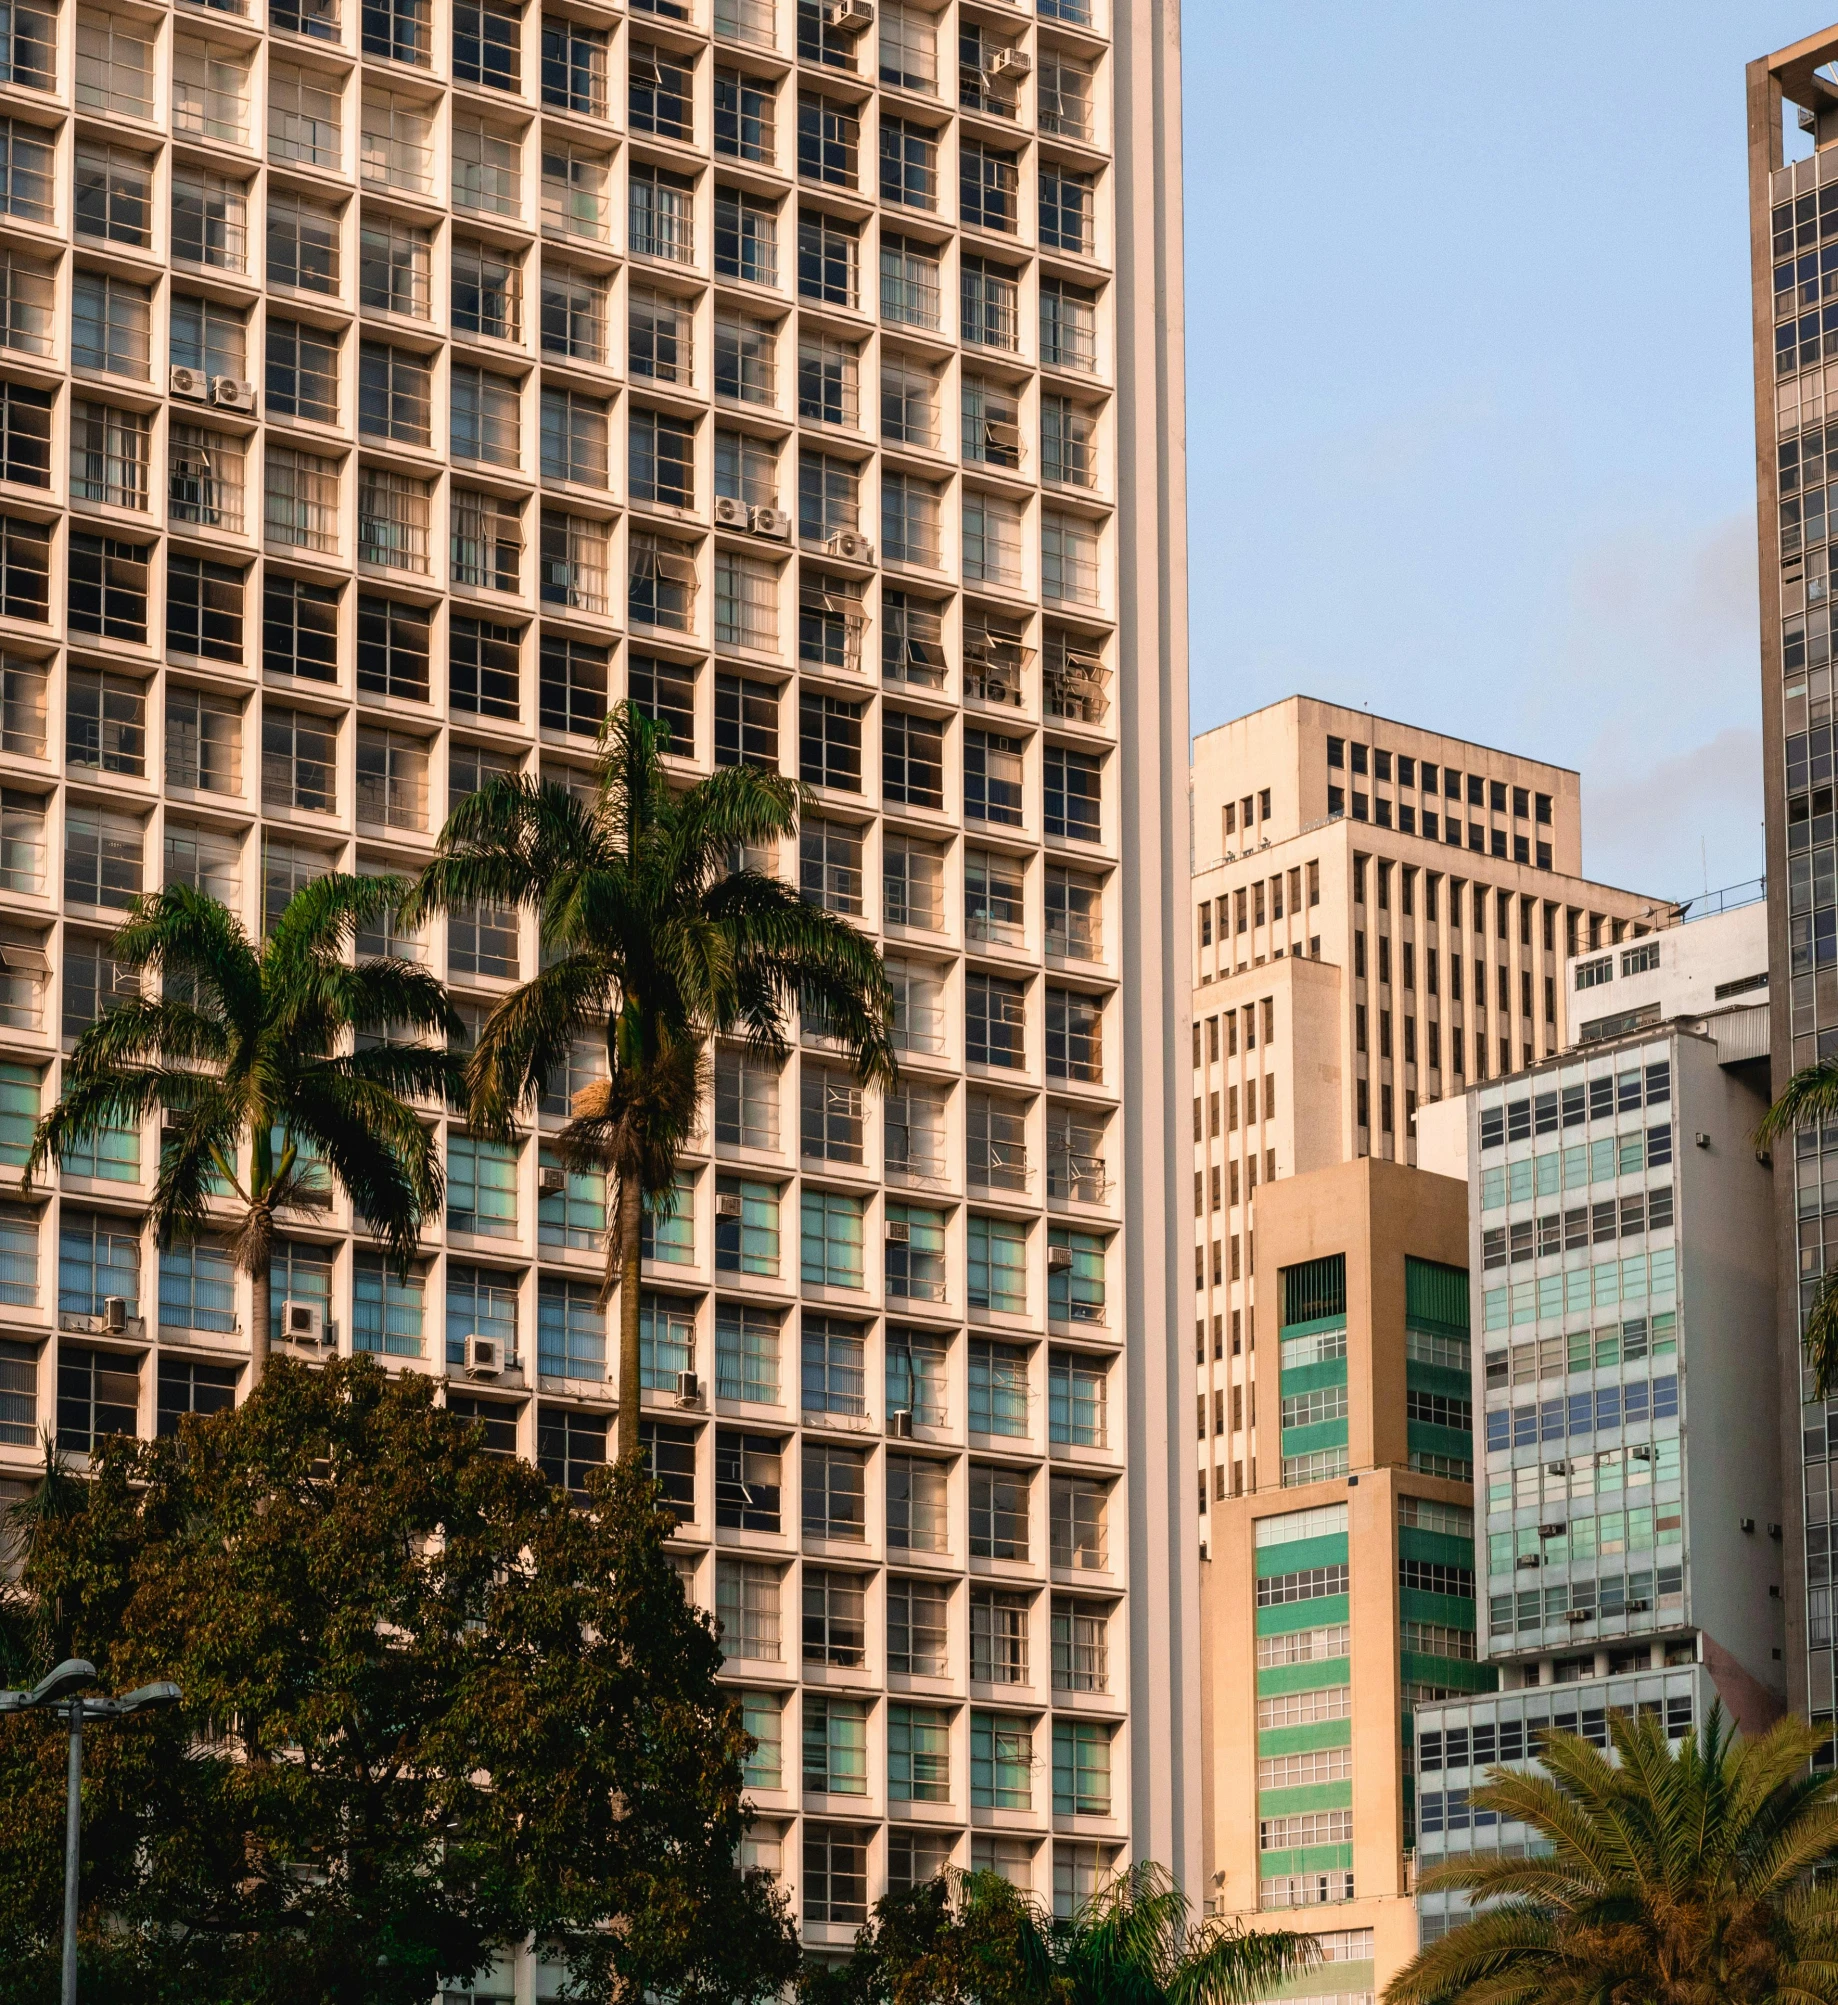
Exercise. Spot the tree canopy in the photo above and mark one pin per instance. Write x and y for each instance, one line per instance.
(430, 1708)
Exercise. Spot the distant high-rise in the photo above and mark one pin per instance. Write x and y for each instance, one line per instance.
(1381, 917)
(384, 388)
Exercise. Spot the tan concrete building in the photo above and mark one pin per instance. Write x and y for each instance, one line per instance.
(384, 388)
(1381, 916)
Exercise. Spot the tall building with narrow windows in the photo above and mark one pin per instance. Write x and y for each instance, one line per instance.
(1793, 234)
(388, 385)
(1382, 916)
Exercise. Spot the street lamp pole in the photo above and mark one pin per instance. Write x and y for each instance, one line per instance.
(63, 1690)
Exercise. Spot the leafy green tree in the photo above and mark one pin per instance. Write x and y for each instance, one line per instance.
(1809, 1100)
(430, 1709)
(245, 1053)
(654, 940)
(973, 1939)
(1684, 1879)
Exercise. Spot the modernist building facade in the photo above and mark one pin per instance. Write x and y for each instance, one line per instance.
(1793, 209)
(386, 388)
(1632, 1545)
(1382, 916)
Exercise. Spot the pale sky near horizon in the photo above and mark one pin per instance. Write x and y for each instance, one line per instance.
(1469, 395)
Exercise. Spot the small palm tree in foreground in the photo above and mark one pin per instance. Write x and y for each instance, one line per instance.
(1668, 1879)
(243, 1052)
(1809, 1100)
(653, 944)
(973, 1939)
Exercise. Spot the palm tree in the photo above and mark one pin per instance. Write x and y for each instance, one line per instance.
(973, 1939)
(242, 1052)
(1810, 1099)
(653, 943)
(1686, 1880)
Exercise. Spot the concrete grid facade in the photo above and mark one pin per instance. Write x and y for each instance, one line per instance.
(387, 387)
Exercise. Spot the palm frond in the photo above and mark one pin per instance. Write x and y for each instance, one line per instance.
(1809, 1098)
(386, 1160)
(528, 1037)
(180, 930)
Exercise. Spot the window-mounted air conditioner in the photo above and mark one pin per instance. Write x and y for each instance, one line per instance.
(1010, 63)
(729, 1204)
(484, 1356)
(900, 1423)
(551, 1182)
(899, 1233)
(115, 1314)
(850, 16)
(1059, 1258)
(302, 1322)
(688, 1389)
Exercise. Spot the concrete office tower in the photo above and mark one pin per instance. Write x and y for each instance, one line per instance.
(1382, 915)
(1793, 211)
(385, 388)
(1619, 1230)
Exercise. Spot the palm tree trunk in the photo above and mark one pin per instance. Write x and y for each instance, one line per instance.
(257, 1249)
(630, 1219)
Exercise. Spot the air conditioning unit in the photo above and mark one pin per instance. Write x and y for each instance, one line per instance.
(230, 393)
(189, 383)
(852, 544)
(1638, 1607)
(1529, 1561)
(551, 1182)
(1579, 1615)
(899, 1233)
(851, 16)
(900, 1423)
(1552, 1531)
(1557, 1468)
(302, 1322)
(1010, 63)
(1641, 1454)
(1059, 1258)
(773, 522)
(688, 1389)
(484, 1357)
(115, 1314)
(729, 1204)
(731, 514)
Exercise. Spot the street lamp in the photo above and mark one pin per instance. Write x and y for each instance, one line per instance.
(63, 1689)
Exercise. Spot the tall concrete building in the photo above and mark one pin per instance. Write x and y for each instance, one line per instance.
(386, 387)
(1381, 916)
(1793, 212)
(1619, 1225)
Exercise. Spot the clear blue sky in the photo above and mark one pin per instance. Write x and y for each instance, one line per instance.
(1468, 389)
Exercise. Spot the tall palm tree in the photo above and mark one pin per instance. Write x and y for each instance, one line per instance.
(653, 943)
(1810, 1099)
(973, 1939)
(243, 1051)
(1671, 1880)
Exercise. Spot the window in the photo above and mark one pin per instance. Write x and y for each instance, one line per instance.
(747, 1610)
(746, 603)
(302, 244)
(482, 940)
(1076, 1395)
(835, 1492)
(399, 31)
(204, 479)
(988, 183)
(198, 1286)
(487, 43)
(996, 1265)
(97, 1256)
(912, 759)
(909, 520)
(574, 438)
(570, 1446)
(102, 857)
(573, 314)
(993, 778)
(392, 779)
(829, 253)
(486, 539)
(1073, 795)
(835, 1855)
(830, 742)
(98, 1394)
(286, 867)
(114, 60)
(574, 75)
(1067, 206)
(188, 1386)
(661, 581)
(998, 1388)
(834, 1366)
(998, 1512)
(575, 559)
(204, 609)
(109, 321)
(573, 685)
(835, 1625)
(485, 421)
(747, 1353)
(992, 540)
(299, 628)
(832, 1240)
(108, 587)
(659, 91)
(210, 220)
(665, 691)
(303, 117)
(746, 237)
(660, 215)
(1077, 1524)
(481, 1187)
(666, 1340)
(393, 269)
(915, 1147)
(488, 180)
(917, 1516)
(746, 1227)
(300, 504)
(26, 157)
(1068, 559)
(917, 1615)
(829, 497)
(748, 1472)
(744, 121)
(991, 304)
(995, 1021)
(1075, 1048)
(1001, 1761)
(25, 438)
(829, 373)
(918, 1755)
(745, 358)
(912, 883)
(830, 865)
(1075, 1276)
(1068, 326)
(27, 291)
(659, 336)
(484, 667)
(661, 458)
(302, 372)
(998, 1637)
(1081, 1768)
(746, 1100)
(909, 48)
(1073, 916)
(670, 1457)
(299, 761)
(392, 649)
(830, 1126)
(105, 721)
(909, 164)
(203, 741)
(25, 570)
